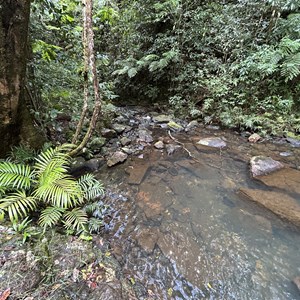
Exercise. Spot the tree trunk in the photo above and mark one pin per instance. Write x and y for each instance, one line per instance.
(16, 124)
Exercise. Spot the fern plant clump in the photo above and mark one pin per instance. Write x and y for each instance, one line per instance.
(47, 189)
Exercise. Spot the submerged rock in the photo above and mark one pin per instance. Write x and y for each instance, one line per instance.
(171, 148)
(215, 142)
(285, 179)
(297, 282)
(262, 165)
(137, 173)
(280, 204)
(116, 158)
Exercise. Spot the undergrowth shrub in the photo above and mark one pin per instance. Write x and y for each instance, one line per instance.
(46, 191)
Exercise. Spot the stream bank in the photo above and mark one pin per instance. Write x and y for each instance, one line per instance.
(178, 228)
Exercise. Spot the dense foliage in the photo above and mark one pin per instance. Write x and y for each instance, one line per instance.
(46, 191)
(233, 62)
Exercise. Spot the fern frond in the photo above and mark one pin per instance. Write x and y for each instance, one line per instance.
(63, 192)
(94, 225)
(15, 175)
(90, 186)
(290, 68)
(18, 205)
(50, 216)
(54, 158)
(75, 219)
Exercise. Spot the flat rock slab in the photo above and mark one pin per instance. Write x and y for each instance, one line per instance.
(137, 173)
(262, 165)
(153, 201)
(280, 204)
(214, 142)
(286, 179)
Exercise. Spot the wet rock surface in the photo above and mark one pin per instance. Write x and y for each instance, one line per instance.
(214, 142)
(178, 228)
(262, 165)
(117, 157)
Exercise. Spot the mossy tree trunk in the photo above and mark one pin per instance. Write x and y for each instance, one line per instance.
(16, 124)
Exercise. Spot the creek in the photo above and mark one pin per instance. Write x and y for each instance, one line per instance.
(181, 230)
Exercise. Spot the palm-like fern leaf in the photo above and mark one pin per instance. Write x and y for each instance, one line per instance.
(15, 175)
(75, 219)
(18, 205)
(95, 225)
(50, 216)
(54, 159)
(63, 192)
(90, 186)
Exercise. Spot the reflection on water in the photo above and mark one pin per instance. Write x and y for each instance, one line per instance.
(193, 237)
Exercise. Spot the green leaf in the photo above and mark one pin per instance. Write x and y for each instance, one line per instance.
(15, 175)
(50, 216)
(75, 219)
(18, 205)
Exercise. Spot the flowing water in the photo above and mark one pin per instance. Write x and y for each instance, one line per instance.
(186, 233)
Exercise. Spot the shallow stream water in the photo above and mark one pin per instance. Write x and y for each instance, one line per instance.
(186, 233)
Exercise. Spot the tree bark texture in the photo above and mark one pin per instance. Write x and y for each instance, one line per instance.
(15, 121)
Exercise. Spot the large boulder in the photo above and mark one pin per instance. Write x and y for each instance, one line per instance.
(262, 165)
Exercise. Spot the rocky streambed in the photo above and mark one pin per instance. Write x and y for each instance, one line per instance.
(195, 213)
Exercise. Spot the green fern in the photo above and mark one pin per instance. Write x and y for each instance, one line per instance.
(90, 186)
(18, 204)
(75, 219)
(64, 192)
(290, 68)
(50, 216)
(95, 225)
(15, 176)
(24, 189)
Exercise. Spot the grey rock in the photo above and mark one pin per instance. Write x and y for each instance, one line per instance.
(261, 165)
(162, 119)
(80, 167)
(159, 145)
(127, 150)
(213, 127)
(108, 133)
(119, 128)
(293, 142)
(116, 158)
(125, 141)
(193, 124)
(145, 136)
(214, 142)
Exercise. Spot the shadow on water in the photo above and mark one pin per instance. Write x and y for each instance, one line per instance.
(189, 235)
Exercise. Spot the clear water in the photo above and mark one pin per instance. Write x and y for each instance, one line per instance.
(209, 243)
